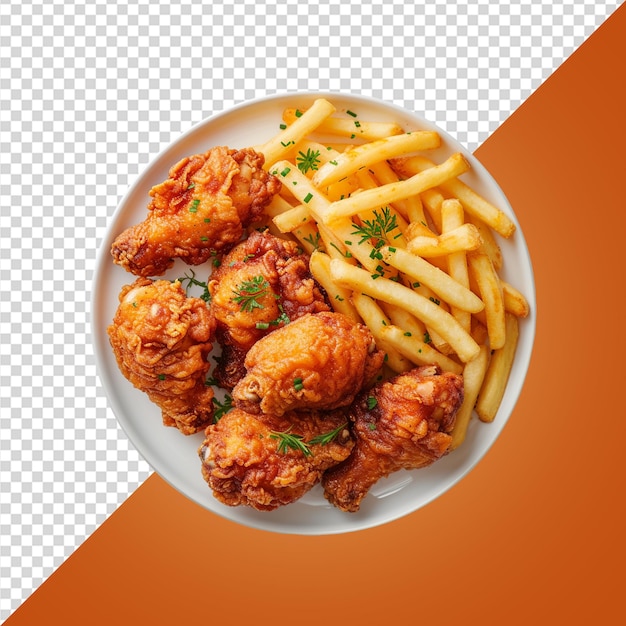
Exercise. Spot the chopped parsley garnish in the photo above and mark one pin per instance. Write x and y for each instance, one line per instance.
(371, 402)
(378, 229)
(283, 318)
(192, 280)
(308, 161)
(248, 292)
(314, 240)
(222, 408)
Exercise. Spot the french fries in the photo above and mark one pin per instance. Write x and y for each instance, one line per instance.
(372, 198)
(360, 280)
(497, 374)
(351, 160)
(400, 243)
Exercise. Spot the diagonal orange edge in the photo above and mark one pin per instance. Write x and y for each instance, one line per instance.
(534, 534)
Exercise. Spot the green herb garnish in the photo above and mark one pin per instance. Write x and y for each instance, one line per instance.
(222, 408)
(248, 292)
(192, 280)
(291, 440)
(308, 161)
(325, 438)
(371, 402)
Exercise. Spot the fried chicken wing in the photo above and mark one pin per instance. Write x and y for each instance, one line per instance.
(319, 361)
(261, 284)
(403, 423)
(202, 208)
(267, 461)
(161, 340)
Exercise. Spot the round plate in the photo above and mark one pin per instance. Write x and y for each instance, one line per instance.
(174, 456)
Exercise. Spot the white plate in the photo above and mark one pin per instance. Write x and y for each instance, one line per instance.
(174, 456)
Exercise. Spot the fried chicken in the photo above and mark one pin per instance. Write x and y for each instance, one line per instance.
(261, 284)
(202, 208)
(319, 361)
(403, 423)
(267, 461)
(161, 340)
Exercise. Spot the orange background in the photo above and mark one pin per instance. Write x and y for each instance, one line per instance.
(534, 534)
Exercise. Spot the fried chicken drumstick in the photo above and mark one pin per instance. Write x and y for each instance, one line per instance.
(262, 284)
(202, 208)
(319, 361)
(161, 339)
(403, 423)
(253, 460)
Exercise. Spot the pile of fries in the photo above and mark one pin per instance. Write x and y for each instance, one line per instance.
(401, 244)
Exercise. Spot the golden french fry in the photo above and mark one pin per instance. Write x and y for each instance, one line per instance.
(472, 202)
(277, 206)
(452, 216)
(497, 376)
(282, 143)
(374, 151)
(514, 301)
(319, 266)
(301, 188)
(410, 208)
(400, 317)
(385, 194)
(375, 319)
(441, 283)
(432, 200)
(491, 294)
(473, 377)
(489, 244)
(343, 127)
(417, 351)
(464, 238)
(441, 321)
(293, 218)
(342, 188)
(308, 236)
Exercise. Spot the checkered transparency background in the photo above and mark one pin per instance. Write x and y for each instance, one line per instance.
(91, 92)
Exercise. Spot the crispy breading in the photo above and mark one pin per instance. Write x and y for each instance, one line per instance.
(201, 209)
(261, 285)
(244, 462)
(161, 339)
(319, 361)
(402, 423)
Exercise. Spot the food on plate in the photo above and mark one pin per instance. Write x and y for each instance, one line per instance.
(202, 208)
(161, 339)
(401, 423)
(355, 286)
(266, 461)
(319, 361)
(260, 285)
